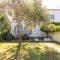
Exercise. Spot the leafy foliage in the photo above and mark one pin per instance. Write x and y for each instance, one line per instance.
(23, 36)
(23, 11)
(7, 36)
(51, 28)
(39, 12)
(57, 23)
(4, 25)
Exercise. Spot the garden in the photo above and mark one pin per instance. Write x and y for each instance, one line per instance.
(18, 45)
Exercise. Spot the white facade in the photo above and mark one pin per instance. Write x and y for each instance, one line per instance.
(54, 15)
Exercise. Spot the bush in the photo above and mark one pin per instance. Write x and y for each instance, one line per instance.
(1, 35)
(4, 28)
(57, 24)
(7, 36)
(51, 28)
(25, 37)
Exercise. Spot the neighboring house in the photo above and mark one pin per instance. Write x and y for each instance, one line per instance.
(54, 15)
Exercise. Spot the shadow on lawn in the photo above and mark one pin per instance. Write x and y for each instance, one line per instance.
(28, 52)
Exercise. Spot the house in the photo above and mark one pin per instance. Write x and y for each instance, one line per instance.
(54, 15)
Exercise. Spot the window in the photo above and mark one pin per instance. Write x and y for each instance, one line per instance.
(14, 29)
(18, 29)
(51, 16)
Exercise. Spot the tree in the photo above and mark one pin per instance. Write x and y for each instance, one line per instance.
(20, 11)
(35, 12)
(4, 24)
(4, 27)
(38, 12)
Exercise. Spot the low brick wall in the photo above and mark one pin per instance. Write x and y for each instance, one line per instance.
(56, 36)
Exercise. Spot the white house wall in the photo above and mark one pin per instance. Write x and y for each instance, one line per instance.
(56, 12)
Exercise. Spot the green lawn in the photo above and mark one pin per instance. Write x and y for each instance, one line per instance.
(32, 51)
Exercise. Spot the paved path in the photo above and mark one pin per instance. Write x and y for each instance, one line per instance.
(54, 46)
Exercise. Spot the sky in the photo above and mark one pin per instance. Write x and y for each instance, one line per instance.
(51, 4)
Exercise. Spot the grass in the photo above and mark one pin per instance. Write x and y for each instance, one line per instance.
(37, 51)
(32, 51)
(6, 46)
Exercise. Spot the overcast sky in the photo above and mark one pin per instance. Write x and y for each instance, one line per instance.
(51, 3)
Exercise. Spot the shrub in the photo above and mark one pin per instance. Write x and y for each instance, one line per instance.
(4, 28)
(25, 37)
(51, 28)
(1, 35)
(7, 36)
(57, 24)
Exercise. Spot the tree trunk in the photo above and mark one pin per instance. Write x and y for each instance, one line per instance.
(17, 51)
